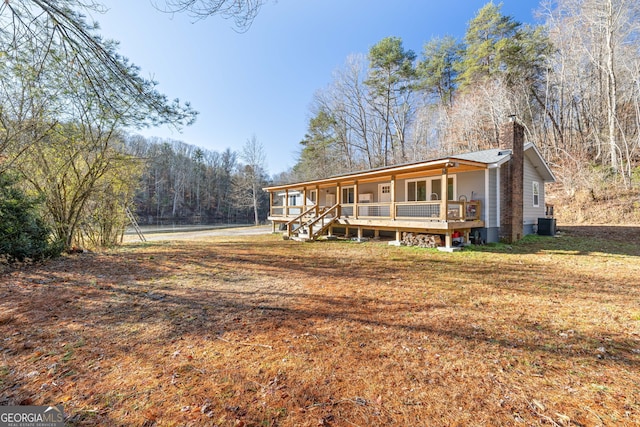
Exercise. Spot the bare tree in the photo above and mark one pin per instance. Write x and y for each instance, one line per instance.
(349, 99)
(254, 171)
(358, 129)
(593, 78)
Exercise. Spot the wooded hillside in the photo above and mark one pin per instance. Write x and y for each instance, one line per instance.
(572, 81)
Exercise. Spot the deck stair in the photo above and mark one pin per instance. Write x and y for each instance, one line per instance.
(310, 225)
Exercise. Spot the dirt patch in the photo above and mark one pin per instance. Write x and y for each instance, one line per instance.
(617, 233)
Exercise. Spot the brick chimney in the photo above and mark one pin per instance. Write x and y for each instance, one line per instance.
(511, 182)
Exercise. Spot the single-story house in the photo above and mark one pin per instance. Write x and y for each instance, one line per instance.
(491, 195)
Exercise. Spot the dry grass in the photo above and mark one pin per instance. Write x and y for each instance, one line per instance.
(257, 331)
(607, 204)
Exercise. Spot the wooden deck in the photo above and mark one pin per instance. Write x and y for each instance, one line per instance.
(423, 217)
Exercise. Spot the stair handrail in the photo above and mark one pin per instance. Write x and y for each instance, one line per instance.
(321, 218)
(321, 210)
(298, 218)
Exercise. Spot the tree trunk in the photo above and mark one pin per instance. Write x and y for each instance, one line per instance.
(611, 89)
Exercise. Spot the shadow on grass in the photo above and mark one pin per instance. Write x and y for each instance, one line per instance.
(203, 289)
(575, 240)
(99, 305)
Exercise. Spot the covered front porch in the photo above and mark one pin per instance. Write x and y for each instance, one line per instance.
(429, 197)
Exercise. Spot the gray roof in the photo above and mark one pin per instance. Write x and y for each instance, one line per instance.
(494, 155)
(499, 155)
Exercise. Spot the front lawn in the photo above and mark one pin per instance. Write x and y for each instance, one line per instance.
(258, 331)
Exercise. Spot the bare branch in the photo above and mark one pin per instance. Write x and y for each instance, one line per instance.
(242, 12)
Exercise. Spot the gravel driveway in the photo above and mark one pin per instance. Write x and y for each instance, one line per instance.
(186, 233)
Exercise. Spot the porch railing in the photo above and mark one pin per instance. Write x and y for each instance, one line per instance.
(289, 210)
(457, 210)
(472, 210)
(377, 210)
(463, 211)
(316, 226)
(427, 210)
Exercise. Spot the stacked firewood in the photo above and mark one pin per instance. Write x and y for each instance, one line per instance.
(421, 240)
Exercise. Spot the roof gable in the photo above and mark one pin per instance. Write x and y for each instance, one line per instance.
(535, 157)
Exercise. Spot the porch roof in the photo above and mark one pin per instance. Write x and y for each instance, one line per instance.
(453, 164)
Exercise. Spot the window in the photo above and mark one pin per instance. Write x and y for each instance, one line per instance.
(429, 189)
(416, 191)
(411, 191)
(536, 194)
(348, 195)
(436, 189)
(293, 200)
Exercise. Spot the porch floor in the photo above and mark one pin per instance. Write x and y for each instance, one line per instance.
(416, 225)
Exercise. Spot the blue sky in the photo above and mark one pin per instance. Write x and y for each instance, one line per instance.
(262, 82)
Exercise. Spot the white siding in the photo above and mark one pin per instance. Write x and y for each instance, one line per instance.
(493, 198)
(531, 213)
(471, 185)
(368, 188)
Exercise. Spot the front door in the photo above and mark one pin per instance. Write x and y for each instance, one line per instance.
(384, 193)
